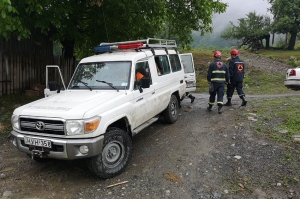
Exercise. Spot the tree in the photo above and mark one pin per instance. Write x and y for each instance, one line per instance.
(286, 18)
(86, 23)
(250, 31)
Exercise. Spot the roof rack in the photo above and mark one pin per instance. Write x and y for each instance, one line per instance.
(150, 42)
(137, 45)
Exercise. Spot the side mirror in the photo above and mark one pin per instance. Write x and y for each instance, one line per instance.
(141, 89)
(52, 86)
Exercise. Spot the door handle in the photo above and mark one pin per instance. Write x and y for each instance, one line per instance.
(153, 92)
(139, 99)
(181, 81)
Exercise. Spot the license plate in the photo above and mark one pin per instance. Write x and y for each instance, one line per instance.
(37, 142)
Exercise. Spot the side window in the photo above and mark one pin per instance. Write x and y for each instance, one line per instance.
(142, 71)
(175, 63)
(162, 64)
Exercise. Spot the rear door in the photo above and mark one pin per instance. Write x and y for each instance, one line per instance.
(189, 70)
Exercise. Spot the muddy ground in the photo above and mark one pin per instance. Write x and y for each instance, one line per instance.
(203, 155)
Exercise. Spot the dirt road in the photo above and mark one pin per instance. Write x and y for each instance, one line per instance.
(203, 155)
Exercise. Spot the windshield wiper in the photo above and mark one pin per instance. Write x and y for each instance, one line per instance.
(110, 84)
(84, 83)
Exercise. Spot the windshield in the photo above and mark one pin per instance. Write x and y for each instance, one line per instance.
(102, 75)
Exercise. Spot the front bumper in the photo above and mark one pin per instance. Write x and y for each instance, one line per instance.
(61, 148)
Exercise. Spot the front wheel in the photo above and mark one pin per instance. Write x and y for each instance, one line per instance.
(116, 153)
(171, 112)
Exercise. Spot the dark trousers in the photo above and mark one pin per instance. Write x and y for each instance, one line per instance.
(219, 91)
(232, 86)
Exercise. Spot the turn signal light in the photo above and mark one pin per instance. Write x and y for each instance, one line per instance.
(91, 125)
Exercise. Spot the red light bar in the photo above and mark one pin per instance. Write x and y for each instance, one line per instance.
(130, 46)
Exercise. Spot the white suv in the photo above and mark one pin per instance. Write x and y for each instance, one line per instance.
(111, 97)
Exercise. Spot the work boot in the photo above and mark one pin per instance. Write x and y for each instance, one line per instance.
(192, 99)
(220, 109)
(228, 103)
(244, 101)
(209, 107)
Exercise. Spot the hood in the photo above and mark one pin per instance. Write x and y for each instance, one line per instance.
(69, 104)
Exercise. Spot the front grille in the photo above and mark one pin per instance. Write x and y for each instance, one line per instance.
(55, 127)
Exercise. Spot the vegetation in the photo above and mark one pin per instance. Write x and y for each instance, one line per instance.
(286, 18)
(80, 25)
(250, 31)
(283, 112)
(7, 105)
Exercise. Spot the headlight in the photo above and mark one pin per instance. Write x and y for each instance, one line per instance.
(79, 127)
(15, 121)
(74, 127)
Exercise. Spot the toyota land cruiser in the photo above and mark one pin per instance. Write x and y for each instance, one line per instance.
(104, 105)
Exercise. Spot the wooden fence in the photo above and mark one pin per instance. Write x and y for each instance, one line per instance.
(18, 71)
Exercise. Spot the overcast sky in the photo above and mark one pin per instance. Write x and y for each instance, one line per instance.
(238, 9)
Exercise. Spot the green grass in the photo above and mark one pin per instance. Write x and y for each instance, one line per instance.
(284, 112)
(263, 82)
(283, 55)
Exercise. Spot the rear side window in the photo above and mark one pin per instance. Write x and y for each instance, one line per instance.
(175, 63)
(162, 64)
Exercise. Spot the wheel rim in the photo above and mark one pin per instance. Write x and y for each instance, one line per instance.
(113, 154)
(173, 109)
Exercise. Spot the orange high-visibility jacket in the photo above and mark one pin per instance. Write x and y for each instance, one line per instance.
(139, 76)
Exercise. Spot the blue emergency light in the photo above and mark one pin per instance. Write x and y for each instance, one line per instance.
(102, 48)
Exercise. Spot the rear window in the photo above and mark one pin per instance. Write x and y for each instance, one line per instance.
(187, 63)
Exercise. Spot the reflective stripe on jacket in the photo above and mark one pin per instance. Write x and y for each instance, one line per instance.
(218, 72)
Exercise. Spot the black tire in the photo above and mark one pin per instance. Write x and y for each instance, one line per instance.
(116, 153)
(171, 112)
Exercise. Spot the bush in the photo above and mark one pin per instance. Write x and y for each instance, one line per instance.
(293, 61)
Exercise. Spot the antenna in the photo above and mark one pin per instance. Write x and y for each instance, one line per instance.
(104, 21)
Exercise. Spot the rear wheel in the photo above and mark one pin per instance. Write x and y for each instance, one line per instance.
(116, 152)
(171, 112)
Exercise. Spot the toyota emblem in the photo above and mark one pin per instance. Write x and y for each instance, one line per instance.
(40, 125)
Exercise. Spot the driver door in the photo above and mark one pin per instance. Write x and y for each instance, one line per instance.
(142, 96)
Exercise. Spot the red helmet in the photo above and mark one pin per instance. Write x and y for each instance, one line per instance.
(234, 52)
(217, 54)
